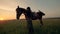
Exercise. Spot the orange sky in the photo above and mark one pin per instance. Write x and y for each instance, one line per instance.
(50, 7)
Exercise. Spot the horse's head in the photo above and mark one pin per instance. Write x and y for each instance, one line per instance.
(19, 11)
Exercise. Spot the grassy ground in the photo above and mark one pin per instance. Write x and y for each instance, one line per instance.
(51, 26)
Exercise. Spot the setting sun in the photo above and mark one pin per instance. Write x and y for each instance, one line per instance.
(1, 18)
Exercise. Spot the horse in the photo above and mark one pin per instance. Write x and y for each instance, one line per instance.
(29, 14)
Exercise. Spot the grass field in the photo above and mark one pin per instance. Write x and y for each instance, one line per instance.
(51, 26)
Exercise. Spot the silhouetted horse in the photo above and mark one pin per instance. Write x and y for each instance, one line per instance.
(29, 15)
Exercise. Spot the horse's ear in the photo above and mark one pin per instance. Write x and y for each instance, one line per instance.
(18, 6)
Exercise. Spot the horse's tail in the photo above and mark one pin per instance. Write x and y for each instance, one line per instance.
(41, 13)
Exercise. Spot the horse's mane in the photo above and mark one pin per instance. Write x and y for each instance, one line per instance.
(19, 9)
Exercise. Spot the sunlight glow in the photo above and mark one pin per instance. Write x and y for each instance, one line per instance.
(1, 18)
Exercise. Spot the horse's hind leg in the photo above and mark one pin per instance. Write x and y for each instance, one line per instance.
(41, 22)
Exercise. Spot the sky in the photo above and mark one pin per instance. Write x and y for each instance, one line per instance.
(50, 7)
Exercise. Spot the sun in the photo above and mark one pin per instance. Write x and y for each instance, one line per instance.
(1, 18)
